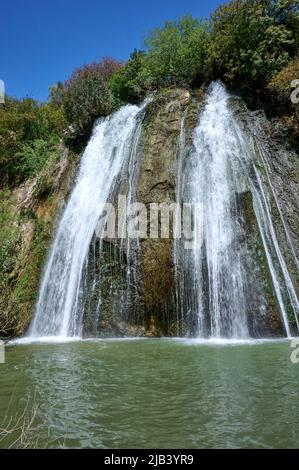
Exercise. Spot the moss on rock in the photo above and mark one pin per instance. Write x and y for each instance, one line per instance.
(27, 222)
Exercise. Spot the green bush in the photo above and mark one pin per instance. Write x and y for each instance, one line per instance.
(280, 86)
(56, 94)
(133, 81)
(23, 122)
(252, 40)
(9, 234)
(33, 156)
(87, 96)
(177, 53)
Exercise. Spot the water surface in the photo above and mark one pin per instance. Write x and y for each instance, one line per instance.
(153, 393)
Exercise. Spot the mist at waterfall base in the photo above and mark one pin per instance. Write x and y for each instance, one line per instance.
(211, 283)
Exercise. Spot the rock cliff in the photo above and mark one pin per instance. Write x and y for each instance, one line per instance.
(145, 303)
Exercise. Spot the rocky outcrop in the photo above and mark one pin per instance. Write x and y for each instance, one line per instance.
(278, 166)
(146, 304)
(263, 315)
(29, 216)
(143, 303)
(157, 183)
(130, 288)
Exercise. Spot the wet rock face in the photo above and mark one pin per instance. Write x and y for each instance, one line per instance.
(36, 205)
(283, 170)
(278, 165)
(142, 304)
(145, 304)
(157, 184)
(263, 315)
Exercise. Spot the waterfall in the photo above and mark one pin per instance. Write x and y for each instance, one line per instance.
(178, 257)
(215, 186)
(59, 309)
(226, 287)
(219, 170)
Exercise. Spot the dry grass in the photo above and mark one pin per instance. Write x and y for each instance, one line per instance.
(21, 431)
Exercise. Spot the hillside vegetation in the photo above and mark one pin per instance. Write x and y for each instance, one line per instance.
(251, 45)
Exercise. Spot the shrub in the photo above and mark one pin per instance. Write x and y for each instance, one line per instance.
(133, 81)
(87, 95)
(9, 234)
(280, 86)
(252, 40)
(32, 156)
(23, 122)
(177, 53)
(108, 67)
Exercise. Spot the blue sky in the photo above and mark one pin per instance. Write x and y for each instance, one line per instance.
(42, 41)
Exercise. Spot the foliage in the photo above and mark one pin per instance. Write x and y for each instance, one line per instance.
(252, 40)
(23, 122)
(108, 67)
(33, 156)
(133, 81)
(56, 94)
(177, 53)
(8, 234)
(246, 43)
(9, 240)
(87, 96)
(280, 85)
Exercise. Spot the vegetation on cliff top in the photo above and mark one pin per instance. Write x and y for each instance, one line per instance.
(249, 44)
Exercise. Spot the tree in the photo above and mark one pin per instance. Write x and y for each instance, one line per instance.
(252, 40)
(86, 97)
(56, 94)
(133, 81)
(108, 67)
(177, 53)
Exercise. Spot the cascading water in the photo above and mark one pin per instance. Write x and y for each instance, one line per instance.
(218, 288)
(112, 274)
(218, 171)
(177, 246)
(59, 309)
(215, 186)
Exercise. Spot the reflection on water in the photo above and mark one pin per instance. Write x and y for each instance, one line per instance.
(155, 393)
